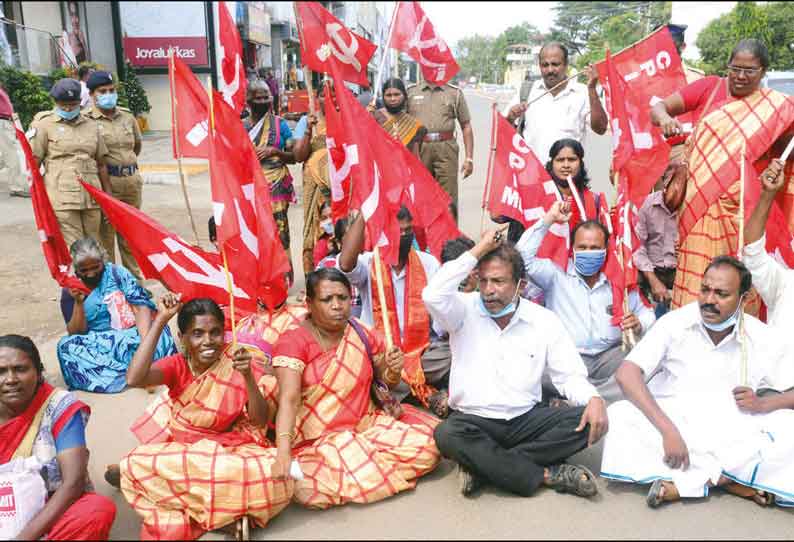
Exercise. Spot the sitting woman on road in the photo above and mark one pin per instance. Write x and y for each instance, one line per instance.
(106, 325)
(346, 447)
(49, 424)
(208, 465)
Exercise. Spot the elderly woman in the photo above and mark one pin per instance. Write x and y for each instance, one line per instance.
(270, 135)
(48, 423)
(106, 324)
(348, 449)
(208, 463)
(731, 112)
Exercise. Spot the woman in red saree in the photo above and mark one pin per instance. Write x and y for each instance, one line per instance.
(348, 450)
(210, 463)
(48, 423)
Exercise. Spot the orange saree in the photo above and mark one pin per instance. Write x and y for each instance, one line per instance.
(708, 223)
(347, 449)
(202, 465)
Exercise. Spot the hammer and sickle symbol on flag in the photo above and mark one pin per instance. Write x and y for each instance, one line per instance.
(337, 46)
(416, 41)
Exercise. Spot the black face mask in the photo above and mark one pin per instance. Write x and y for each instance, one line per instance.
(91, 282)
(406, 243)
(394, 110)
(261, 109)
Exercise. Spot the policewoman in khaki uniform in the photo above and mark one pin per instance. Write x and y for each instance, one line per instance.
(437, 108)
(122, 137)
(70, 145)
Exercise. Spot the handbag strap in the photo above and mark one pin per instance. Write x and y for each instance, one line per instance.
(363, 336)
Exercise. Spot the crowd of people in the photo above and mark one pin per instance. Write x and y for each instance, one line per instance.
(494, 357)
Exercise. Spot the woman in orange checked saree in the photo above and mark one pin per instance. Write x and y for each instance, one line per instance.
(210, 464)
(347, 448)
(736, 113)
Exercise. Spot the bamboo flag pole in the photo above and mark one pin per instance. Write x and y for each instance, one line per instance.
(740, 246)
(379, 76)
(629, 341)
(552, 89)
(229, 284)
(486, 194)
(787, 152)
(178, 142)
(382, 299)
(307, 73)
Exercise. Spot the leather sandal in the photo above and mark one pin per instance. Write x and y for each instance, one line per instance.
(113, 475)
(439, 403)
(654, 498)
(567, 478)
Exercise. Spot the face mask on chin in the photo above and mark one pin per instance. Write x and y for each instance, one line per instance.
(509, 308)
(725, 324)
(261, 109)
(396, 109)
(91, 282)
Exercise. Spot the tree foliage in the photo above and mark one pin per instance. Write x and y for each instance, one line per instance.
(770, 22)
(484, 57)
(26, 92)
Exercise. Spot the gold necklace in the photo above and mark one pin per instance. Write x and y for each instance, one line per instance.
(319, 335)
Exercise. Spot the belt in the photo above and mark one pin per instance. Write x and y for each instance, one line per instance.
(122, 171)
(439, 136)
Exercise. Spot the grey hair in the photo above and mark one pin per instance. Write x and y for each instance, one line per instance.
(254, 86)
(87, 247)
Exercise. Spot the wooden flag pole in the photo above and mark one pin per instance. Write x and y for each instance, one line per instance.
(382, 298)
(740, 246)
(486, 195)
(787, 152)
(307, 73)
(229, 284)
(177, 143)
(629, 341)
(379, 77)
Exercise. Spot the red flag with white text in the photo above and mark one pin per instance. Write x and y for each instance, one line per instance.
(232, 81)
(56, 253)
(164, 256)
(326, 45)
(364, 172)
(413, 33)
(189, 111)
(639, 150)
(520, 188)
(242, 210)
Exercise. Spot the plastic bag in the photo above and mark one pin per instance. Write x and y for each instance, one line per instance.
(22, 495)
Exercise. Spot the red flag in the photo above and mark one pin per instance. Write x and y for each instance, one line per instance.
(232, 82)
(364, 172)
(164, 256)
(189, 111)
(327, 46)
(639, 149)
(522, 189)
(413, 33)
(59, 261)
(242, 210)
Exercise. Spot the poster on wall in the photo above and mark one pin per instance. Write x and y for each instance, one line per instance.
(149, 29)
(73, 41)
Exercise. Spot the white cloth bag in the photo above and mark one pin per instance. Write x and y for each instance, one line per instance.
(22, 495)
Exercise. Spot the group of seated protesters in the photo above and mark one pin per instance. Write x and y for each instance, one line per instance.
(311, 405)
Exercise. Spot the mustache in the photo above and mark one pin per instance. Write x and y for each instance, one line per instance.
(709, 307)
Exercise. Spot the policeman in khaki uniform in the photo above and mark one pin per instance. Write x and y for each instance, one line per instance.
(437, 107)
(122, 136)
(70, 145)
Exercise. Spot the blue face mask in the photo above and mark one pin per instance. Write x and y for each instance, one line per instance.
(107, 101)
(67, 115)
(589, 262)
(722, 326)
(511, 307)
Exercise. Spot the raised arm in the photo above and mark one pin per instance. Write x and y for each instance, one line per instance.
(598, 117)
(541, 270)
(141, 373)
(663, 113)
(352, 243)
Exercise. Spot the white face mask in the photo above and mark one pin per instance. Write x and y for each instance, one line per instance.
(327, 226)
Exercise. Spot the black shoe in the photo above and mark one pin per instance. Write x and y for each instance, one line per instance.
(469, 482)
(575, 479)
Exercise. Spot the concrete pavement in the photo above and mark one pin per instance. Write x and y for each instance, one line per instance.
(435, 509)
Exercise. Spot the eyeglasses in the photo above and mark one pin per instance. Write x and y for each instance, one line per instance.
(749, 72)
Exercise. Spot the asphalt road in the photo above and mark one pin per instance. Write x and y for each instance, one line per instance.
(435, 509)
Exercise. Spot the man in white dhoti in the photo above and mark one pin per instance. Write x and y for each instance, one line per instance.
(774, 281)
(699, 422)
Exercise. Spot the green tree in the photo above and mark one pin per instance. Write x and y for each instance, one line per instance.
(474, 55)
(132, 91)
(770, 22)
(26, 92)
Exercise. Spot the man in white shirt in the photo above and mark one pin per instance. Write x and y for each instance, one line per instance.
(501, 345)
(412, 328)
(774, 282)
(83, 73)
(700, 423)
(565, 111)
(581, 296)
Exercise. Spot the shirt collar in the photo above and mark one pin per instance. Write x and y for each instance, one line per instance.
(696, 323)
(658, 201)
(570, 87)
(523, 312)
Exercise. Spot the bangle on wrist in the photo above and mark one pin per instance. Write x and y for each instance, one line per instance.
(288, 434)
